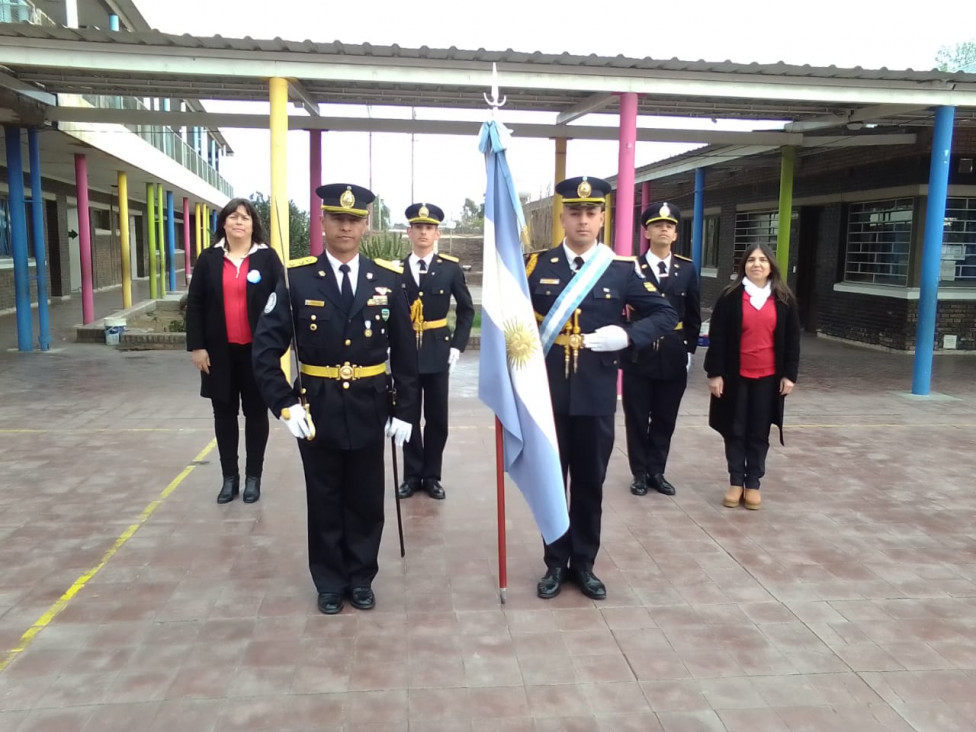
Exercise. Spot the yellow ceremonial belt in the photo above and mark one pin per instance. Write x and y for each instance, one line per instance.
(431, 324)
(346, 372)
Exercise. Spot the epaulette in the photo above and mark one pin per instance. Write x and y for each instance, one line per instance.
(621, 258)
(686, 259)
(530, 264)
(301, 262)
(448, 257)
(392, 266)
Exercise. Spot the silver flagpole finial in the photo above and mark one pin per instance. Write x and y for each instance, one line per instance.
(493, 101)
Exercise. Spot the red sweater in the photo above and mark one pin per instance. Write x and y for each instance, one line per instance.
(756, 354)
(235, 301)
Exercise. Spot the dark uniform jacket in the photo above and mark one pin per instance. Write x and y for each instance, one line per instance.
(348, 415)
(206, 325)
(722, 357)
(667, 357)
(444, 279)
(591, 389)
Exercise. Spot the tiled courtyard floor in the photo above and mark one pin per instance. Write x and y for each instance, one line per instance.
(847, 603)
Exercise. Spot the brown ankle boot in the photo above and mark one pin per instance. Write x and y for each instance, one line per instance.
(751, 498)
(732, 496)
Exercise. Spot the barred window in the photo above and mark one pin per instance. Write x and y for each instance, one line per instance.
(710, 242)
(879, 236)
(959, 243)
(752, 228)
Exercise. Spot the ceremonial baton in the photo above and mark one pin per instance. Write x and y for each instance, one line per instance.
(396, 475)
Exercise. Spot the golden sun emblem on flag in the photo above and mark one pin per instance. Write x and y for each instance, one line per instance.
(520, 343)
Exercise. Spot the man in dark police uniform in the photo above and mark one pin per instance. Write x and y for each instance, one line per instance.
(655, 377)
(344, 311)
(579, 291)
(430, 281)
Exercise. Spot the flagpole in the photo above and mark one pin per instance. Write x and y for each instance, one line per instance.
(500, 495)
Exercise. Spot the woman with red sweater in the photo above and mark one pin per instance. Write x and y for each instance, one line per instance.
(752, 361)
(231, 283)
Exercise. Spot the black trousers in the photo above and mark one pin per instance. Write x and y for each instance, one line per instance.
(344, 495)
(245, 393)
(748, 442)
(650, 413)
(585, 444)
(423, 455)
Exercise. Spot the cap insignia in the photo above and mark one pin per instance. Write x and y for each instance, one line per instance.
(424, 211)
(347, 199)
(584, 189)
(665, 212)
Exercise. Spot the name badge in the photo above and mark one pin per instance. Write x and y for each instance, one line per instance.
(377, 300)
(315, 303)
(545, 281)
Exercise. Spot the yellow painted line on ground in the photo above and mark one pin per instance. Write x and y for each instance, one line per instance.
(62, 602)
(108, 429)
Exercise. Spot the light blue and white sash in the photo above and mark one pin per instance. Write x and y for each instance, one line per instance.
(572, 296)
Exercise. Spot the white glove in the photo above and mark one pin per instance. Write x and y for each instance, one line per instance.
(607, 338)
(294, 418)
(688, 365)
(452, 358)
(398, 430)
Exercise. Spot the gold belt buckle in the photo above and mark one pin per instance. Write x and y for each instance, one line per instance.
(347, 371)
(576, 341)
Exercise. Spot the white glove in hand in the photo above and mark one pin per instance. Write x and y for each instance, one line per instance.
(294, 419)
(607, 338)
(398, 430)
(452, 358)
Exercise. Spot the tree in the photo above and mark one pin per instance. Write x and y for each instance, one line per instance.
(472, 216)
(961, 57)
(297, 224)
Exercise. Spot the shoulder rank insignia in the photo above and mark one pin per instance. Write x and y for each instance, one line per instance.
(301, 262)
(531, 263)
(392, 266)
(649, 286)
(448, 257)
(684, 259)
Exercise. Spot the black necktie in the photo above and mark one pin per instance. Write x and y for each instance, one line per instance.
(423, 270)
(345, 294)
(578, 264)
(662, 268)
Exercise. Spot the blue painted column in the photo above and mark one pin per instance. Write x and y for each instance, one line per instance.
(40, 254)
(213, 221)
(18, 231)
(928, 298)
(170, 243)
(698, 222)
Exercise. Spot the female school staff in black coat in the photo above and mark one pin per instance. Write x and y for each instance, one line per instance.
(231, 283)
(752, 362)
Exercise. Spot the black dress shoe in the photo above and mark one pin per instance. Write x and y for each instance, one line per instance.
(434, 488)
(230, 488)
(408, 487)
(551, 583)
(589, 584)
(661, 484)
(639, 486)
(252, 488)
(330, 603)
(362, 598)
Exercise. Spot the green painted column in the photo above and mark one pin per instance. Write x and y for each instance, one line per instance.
(151, 229)
(161, 239)
(787, 163)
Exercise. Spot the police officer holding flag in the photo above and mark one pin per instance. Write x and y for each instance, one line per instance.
(344, 313)
(579, 291)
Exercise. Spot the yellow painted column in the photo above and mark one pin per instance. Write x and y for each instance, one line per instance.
(787, 164)
(278, 94)
(557, 200)
(197, 236)
(124, 240)
(151, 228)
(607, 219)
(161, 239)
(278, 90)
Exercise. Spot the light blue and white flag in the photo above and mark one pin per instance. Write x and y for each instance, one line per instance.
(512, 379)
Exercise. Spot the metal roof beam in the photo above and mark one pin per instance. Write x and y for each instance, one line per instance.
(590, 104)
(26, 90)
(855, 117)
(300, 96)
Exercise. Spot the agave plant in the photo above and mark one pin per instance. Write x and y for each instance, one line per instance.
(389, 245)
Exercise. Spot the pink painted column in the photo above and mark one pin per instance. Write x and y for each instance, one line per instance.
(624, 203)
(314, 202)
(645, 202)
(187, 270)
(84, 240)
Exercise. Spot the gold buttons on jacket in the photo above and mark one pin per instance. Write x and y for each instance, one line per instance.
(313, 317)
(345, 384)
(313, 326)
(348, 342)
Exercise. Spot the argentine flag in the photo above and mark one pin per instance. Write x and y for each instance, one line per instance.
(512, 378)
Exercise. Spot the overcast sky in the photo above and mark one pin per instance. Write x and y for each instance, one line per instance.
(446, 170)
